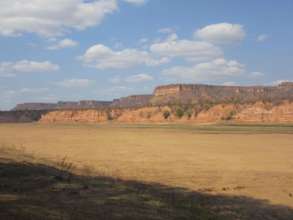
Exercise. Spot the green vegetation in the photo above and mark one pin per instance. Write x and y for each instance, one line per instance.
(179, 112)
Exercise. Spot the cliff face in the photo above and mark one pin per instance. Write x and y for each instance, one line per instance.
(64, 116)
(84, 104)
(259, 112)
(180, 94)
(174, 103)
(186, 94)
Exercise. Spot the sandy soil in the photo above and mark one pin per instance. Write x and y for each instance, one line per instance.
(238, 163)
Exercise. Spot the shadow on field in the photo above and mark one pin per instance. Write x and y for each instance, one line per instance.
(36, 191)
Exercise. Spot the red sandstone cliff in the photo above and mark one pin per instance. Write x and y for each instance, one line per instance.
(180, 103)
(259, 112)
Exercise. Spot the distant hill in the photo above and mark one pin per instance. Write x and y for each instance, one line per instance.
(179, 94)
(193, 93)
(84, 104)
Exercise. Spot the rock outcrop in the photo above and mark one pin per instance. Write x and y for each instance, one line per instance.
(173, 103)
(259, 112)
(266, 112)
(180, 94)
(186, 94)
(84, 104)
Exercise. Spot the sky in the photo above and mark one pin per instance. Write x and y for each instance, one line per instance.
(71, 50)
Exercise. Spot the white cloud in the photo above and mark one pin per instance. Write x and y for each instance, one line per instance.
(136, 2)
(65, 43)
(27, 66)
(280, 81)
(138, 78)
(51, 17)
(75, 83)
(222, 33)
(102, 57)
(262, 37)
(188, 49)
(216, 69)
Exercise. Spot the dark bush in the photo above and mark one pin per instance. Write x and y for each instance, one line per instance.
(166, 114)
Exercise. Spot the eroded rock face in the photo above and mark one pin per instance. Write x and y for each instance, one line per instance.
(89, 116)
(186, 94)
(178, 103)
(83, 104)
(259, 112)
(266, 112)
(217, 113)
(193, 93)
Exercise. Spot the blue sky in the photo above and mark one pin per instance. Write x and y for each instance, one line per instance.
(75, 49)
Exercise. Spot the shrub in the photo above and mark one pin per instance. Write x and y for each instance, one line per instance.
(189, 112)
(179, 112)
(109, 116)
(229, 116)
(166, 114)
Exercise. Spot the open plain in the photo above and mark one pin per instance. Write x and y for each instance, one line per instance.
(243, 160)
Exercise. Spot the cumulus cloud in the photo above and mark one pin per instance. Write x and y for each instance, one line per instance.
(138, 78)
(65, 43)
(75, 83)
(51, 17)
(222, 33)
(102, 57)
(188, 49)
(216, 69)
(27, 66)
(262, 37)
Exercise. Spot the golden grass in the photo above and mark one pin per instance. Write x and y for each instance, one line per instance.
(250, 161)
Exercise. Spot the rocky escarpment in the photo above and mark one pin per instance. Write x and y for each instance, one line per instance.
(260, 112)
(84, 104)
(187, 94)
(176, 103)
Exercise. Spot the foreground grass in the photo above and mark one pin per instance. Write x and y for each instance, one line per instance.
(37, 191)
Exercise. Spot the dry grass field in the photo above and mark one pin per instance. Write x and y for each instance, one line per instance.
(254, 161)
